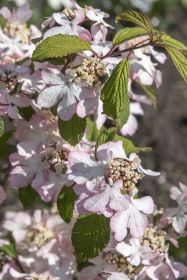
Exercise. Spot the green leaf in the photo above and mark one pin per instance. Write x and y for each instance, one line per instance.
(9, 249)
(179, 60)
(105, 136)
(165, 40)
(56, 61)
(129, 146)
(2, 22)
(136, 18)
(65, 203)
(115, 93)
(73, 130)
(1, 127)
(92, 132)
(177, 252)
(5, 148)
(90, 235)
(30, 198)
(128, 33)
(59, 46)
(26, 112)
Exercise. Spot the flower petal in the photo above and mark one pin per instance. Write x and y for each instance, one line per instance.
(118, 224)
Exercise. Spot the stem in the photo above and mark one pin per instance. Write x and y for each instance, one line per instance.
(109, 53)
(137, 46)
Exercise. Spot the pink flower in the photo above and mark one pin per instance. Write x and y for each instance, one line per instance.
(11, 95)
(85, 167)
(15, 37)
(131, 125)
(98, 29)
(132, 250)
(132, 218)
(70, 27)
(179, 214)
(110, 197)
(17, 223)
(165, 269)
(62, 90)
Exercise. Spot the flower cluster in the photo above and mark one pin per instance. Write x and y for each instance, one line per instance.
(64, 155)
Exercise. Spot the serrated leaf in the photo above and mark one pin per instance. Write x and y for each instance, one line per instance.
(73, 130)
(90, 235)
(30, 198)
(59, 46)
(129, 146)
(179, 60)
(105, 136)
(65, 203)
(127, 34)
(115, 93)
(136, 18)
(1, 127)
(167, 41)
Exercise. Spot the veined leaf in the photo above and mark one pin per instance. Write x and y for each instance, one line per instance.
(73, 130)
(136, 18)
(91, 234)
(179, 60)
(1, 127)
(115, 93)
(59, 46)
(65, 203)
(105, 136)
(167, 41)
(127, 34)
(129, 146)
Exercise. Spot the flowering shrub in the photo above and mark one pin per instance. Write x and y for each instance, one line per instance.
(68, 99)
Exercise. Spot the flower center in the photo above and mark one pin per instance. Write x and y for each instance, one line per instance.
(156, 240)
(56, 157)
(9, 79)
(69, 13)
(126, 171)
(122, 264)
(18, 30)
(90, 71)
(38, 235)
(36, 276)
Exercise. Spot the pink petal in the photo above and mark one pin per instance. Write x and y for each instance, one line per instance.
(137, 223)
(97, 203)
(118, 224)
(144, 204)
